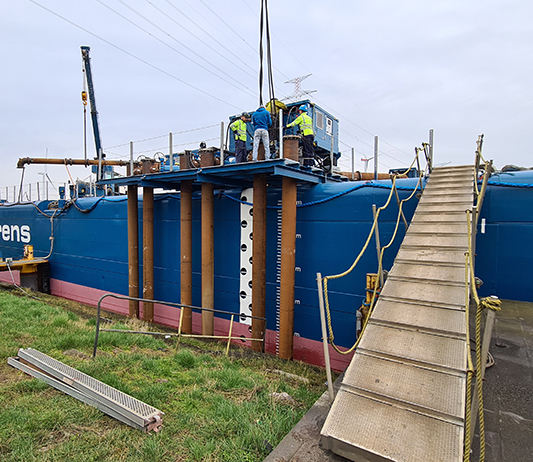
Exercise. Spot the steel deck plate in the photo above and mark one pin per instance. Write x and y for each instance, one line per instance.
(429, 392)
(433, 318)
(135, 410)
(363, 429)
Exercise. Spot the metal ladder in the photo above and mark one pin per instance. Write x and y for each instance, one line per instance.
(403, 394)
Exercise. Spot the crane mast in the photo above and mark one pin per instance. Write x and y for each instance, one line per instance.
(94, 113)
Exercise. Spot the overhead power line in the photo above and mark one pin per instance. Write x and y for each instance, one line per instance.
(132, 55)
(218, 42)
(230, 82)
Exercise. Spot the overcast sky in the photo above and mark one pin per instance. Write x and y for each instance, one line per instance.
(392, 69)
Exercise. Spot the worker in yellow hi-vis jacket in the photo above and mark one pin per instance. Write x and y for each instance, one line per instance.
(305, 124)
(239, 130)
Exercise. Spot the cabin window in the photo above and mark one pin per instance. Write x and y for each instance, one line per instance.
(320, 120)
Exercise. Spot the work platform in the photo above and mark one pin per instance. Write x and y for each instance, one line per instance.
(230, 175)
(403, 395)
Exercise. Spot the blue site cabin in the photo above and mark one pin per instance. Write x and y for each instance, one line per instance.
(325, 126)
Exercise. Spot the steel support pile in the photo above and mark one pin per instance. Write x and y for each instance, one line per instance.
(148, 253)
(259, 258)
(133, 250)
(208, 244)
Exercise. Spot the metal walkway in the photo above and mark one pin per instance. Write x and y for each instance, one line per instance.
(403, 395)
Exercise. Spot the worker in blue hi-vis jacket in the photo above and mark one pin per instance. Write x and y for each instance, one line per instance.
(261, 120)
(305, 124)
(239, 130)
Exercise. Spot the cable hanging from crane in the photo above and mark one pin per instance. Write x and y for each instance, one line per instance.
(264, 31)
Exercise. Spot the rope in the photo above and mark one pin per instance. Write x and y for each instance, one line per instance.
(393, 189)
(481, 304)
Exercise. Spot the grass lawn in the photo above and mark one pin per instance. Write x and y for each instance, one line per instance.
(217, 408)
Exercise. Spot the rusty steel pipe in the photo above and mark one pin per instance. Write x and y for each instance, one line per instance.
(41, 160)
(207, 159)
(186, 254)
(290, 147)
(133, 250)
(366, 176)
(148, 253)
(259, 258)
(288, 251)
(261, 151)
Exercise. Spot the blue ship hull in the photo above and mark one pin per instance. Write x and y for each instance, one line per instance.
(90, 250)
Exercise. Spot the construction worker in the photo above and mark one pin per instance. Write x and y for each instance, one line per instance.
(305, 124)
(261, 120)
(239, 130)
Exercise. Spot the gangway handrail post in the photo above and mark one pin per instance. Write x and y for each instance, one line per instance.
(378, 244)
(488, 169)
(487, 334)
(430, 150)
(324, 336)
(473, 239)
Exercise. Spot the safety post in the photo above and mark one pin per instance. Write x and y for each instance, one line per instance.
(281, 133)
(324, 336)
(331, 154)
(207, 159)
(229, 333)
(288, 250)
(376, 151)
(222, 144)
(99, 174)
(133, 250)
(353, 164)
(170, 154)
(148, 253)
(259, 258)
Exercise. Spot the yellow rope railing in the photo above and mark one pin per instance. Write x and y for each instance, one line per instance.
(481, 304)
(361, 253)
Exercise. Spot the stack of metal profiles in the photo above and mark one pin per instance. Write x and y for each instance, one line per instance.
(403, 395)
(109, 400)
